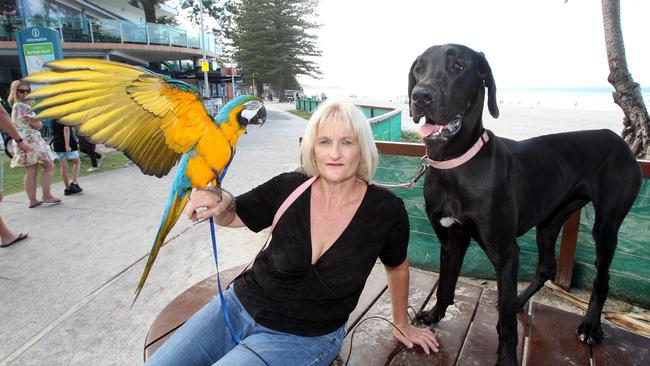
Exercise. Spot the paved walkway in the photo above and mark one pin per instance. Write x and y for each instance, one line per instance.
(66, 291)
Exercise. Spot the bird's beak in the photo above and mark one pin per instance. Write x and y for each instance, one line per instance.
(259, 118)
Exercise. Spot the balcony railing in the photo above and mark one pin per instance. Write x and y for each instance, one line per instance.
(109, 31)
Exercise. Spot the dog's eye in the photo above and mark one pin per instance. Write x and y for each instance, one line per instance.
(417, 69)
(458, 67)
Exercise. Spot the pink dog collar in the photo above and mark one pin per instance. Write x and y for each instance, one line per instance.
(456, 162)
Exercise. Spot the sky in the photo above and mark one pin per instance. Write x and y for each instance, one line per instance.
(368, 46)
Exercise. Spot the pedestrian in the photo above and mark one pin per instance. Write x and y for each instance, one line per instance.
(7, 236)
(291, 307)
(66, 148)
(40, 153)
(90, 149)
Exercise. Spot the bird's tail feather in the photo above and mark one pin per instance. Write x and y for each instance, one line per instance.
(175, 206)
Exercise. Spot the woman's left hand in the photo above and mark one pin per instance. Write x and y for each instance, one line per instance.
(24, 147)
(411, 335)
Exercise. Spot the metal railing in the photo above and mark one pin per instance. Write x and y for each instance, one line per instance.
(109, 31)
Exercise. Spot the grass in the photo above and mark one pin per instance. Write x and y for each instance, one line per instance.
(410, 136)
(13, 177)
(301, 114)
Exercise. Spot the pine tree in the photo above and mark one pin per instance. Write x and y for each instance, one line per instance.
(272, 40)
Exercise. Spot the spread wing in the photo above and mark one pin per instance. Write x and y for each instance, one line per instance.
(152, 120)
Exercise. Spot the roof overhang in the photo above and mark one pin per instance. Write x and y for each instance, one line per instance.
(139, 53)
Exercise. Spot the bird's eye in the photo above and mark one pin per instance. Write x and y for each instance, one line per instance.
(457, 67)
(417, 69)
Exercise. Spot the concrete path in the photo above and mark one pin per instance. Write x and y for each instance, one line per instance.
(65, 292)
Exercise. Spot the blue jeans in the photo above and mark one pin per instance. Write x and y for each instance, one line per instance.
(205, 340)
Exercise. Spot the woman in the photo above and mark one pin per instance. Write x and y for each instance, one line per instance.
(290, 308)
(40, 153)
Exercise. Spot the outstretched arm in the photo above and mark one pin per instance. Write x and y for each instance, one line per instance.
(222, 208)
(7, 126)
(408, 334)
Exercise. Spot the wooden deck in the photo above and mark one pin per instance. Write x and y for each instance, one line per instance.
(467, 334)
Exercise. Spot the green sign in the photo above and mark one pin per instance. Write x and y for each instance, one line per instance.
(39, 49)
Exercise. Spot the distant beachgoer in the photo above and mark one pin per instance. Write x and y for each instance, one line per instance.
(40, 153)
(90, 149)
(66, 148)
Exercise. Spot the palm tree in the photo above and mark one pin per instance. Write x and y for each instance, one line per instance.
(627, 94)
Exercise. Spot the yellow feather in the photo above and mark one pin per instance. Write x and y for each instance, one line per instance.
(69, 97)
(55, 89)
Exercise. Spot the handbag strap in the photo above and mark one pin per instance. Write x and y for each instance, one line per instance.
(292, 197)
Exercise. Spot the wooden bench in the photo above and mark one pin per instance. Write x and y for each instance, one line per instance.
(467, 333)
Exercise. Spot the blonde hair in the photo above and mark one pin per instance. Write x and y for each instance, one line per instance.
(13, 91)
(340, 112)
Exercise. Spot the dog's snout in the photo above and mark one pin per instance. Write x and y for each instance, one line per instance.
(422, 95)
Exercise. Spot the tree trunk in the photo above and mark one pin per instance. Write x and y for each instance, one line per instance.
(149, 7)
(627, 94)
(259, 89)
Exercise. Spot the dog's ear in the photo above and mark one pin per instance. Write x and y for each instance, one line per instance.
(411, 83)
(485, 73)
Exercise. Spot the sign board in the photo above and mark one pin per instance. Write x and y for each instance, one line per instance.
(37, 46)
(205, 66)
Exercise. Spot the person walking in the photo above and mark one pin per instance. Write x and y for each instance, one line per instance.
(40, 153)
(66, 148)
(90, 149)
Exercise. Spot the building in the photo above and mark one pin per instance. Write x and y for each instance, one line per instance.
(112, 30)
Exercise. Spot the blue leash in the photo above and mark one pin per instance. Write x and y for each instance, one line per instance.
(226, 315)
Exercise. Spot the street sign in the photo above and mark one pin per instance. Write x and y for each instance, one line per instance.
(37, 46)
(205, 66)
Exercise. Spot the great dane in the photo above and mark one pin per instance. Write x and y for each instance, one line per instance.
(491, 189)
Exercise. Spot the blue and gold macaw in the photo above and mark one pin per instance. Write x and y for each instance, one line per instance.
(154, 120)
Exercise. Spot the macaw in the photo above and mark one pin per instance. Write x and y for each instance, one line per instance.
(154, 120)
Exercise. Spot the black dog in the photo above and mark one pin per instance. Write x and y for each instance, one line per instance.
(503, 188)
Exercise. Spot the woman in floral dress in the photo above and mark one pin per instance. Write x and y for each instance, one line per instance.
(41, 153)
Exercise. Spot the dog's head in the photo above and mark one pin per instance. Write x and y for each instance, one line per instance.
(446, 86)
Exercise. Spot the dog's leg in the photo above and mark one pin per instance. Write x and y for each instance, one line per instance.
(547, 233)
(507, 267)
(605, 232)
(618, 193)
(454, 245)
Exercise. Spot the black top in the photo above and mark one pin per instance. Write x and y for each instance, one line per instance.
(58, 141)
(283, 290)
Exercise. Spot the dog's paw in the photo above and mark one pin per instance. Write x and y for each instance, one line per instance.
(589, 333)
(432, 316)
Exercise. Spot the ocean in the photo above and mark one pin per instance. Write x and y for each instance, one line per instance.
(586, 99)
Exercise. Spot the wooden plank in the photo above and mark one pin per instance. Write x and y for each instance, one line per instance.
(400, 148)
(451, 331)
(553, 339)
(567, 256)
(183, 307)
(621, 347)
(645, 168)
(482, 340)
(372, 340)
